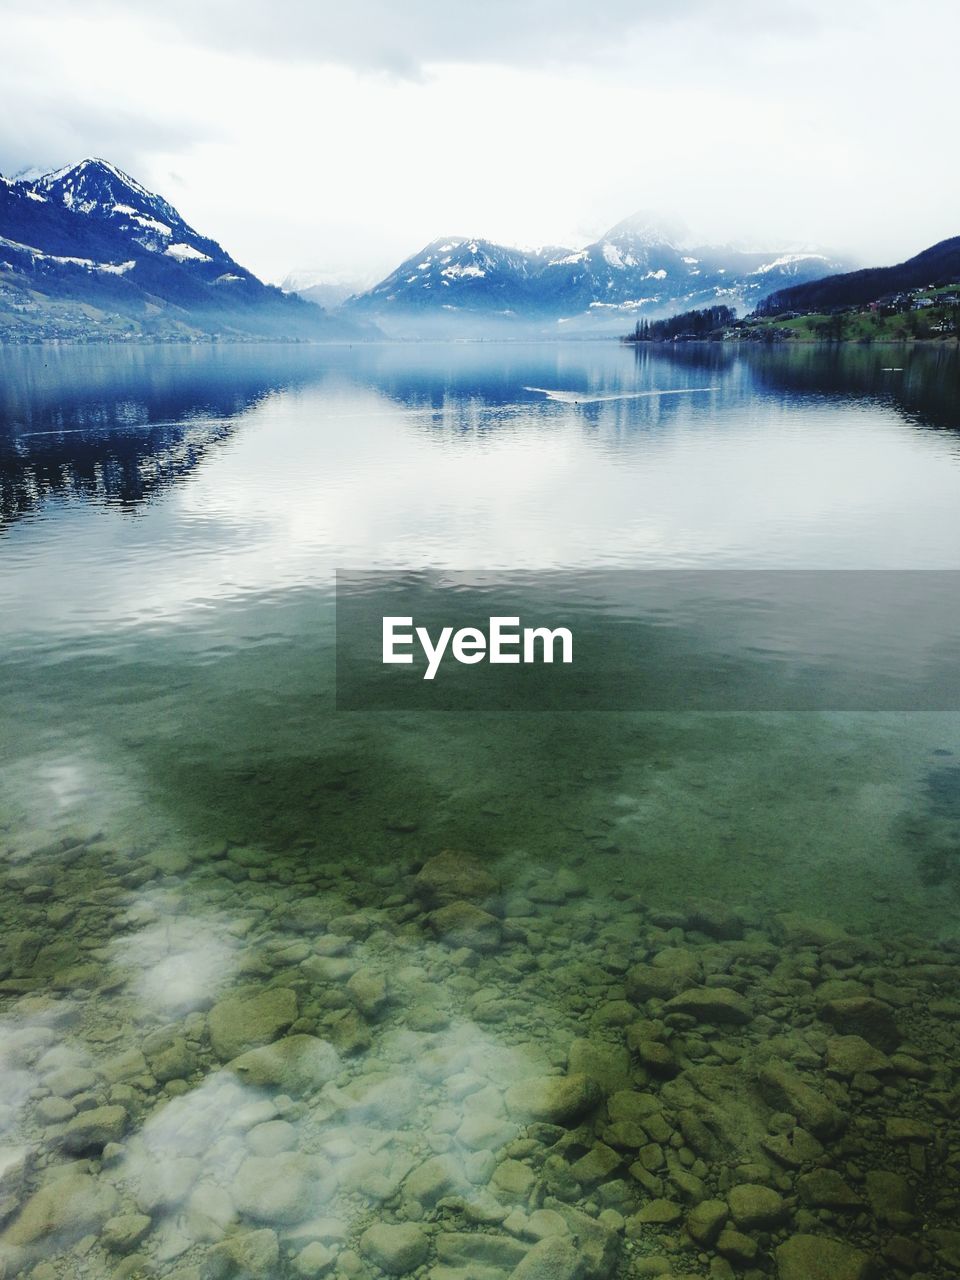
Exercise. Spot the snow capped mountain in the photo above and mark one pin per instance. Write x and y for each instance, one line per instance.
(96, 186)
(472, 271)
(99, 189)
(325, 288)
(646, 229)
(642, 265)
(87, 250)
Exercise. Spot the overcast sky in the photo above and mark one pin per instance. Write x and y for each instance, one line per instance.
(345, 134)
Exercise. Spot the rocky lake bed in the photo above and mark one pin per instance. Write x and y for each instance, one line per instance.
(230, 1062)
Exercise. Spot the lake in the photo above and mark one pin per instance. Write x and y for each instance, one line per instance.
(204, 859)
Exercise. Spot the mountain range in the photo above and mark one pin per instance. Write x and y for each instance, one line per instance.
(640, 266)
(87, 252)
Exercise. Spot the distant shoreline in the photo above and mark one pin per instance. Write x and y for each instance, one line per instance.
(792, 342)
(534, 339)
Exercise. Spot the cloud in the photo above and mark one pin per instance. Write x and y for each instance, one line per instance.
(53, 141)
(55, 134)
(298, 133)
(381, 35)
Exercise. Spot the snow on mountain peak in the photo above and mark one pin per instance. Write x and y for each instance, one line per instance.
(648, 229)
(645, 262)
(91, 176)
(787, 263)
(97, 186)
(93, 251)
(99, 189)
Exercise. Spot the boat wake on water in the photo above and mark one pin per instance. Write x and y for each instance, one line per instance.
(578, 397)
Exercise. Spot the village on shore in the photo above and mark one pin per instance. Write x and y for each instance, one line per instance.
(917, 315)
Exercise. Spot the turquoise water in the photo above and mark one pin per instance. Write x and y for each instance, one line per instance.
(182, 810)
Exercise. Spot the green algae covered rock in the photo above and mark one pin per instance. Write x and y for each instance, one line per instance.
(239, 1023)
(809, 1257)
(554, 1099)
(295, 1064)
(395, 1249)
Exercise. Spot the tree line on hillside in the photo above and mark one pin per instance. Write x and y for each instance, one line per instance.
(689, 325)
(938, 265)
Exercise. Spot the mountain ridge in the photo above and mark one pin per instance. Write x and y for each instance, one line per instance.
(639, 265)
(935, 265)
(87, 252)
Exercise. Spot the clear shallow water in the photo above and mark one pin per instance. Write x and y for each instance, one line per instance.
(171, 523)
